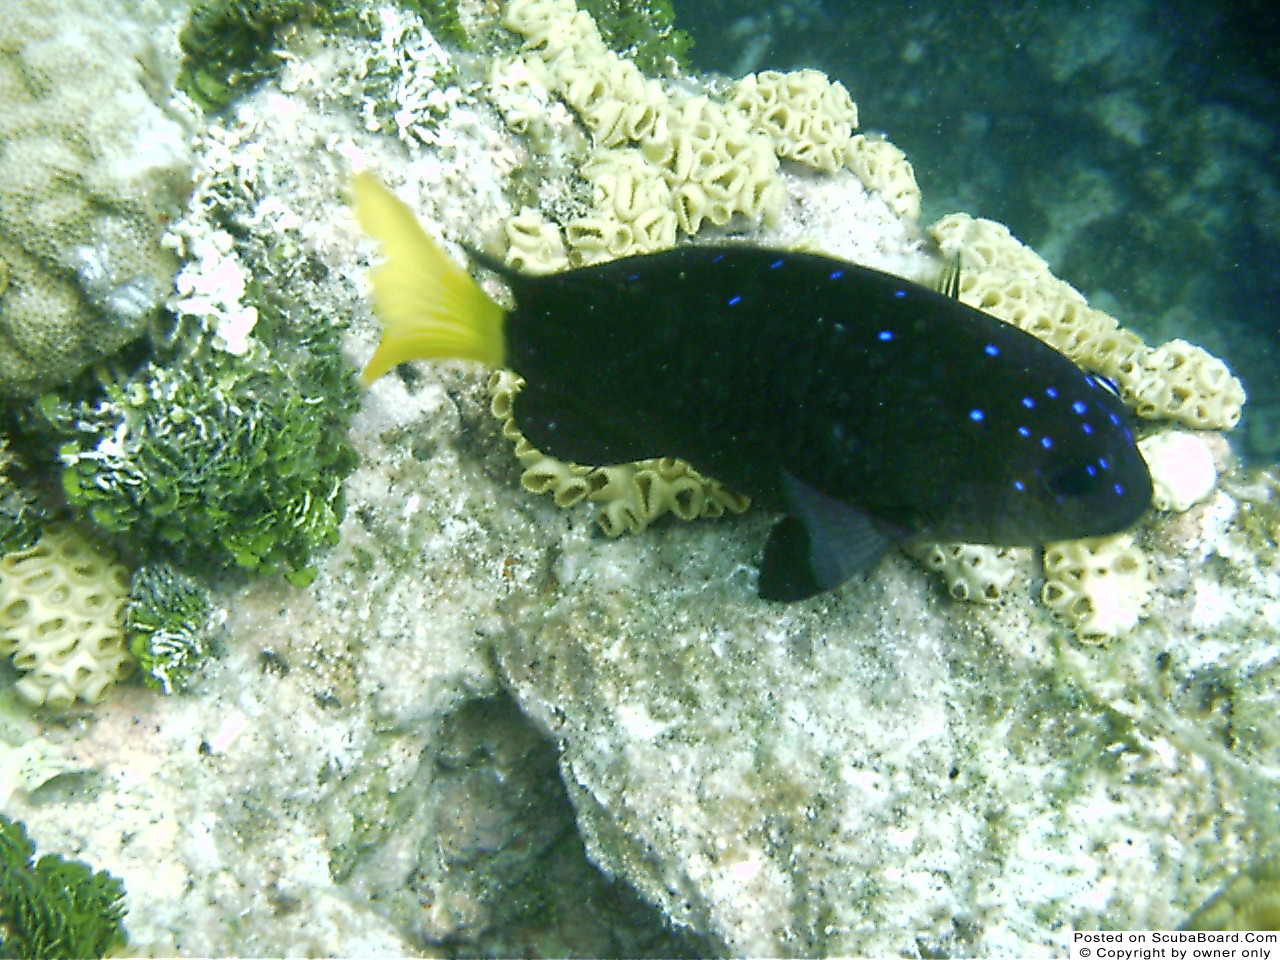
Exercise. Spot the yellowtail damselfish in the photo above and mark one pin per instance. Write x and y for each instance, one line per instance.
(870, 410)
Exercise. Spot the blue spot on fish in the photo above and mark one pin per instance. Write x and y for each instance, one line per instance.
(717, 258)
(1051, 393)
(1024, 431)
(977, 416)
(835, 275)
(776, 264)
(1019, 486)
(734, 301)
(991, 350)
(899, 293)
(885, 335)
(1046, 442)
(1087, 428)
(1028, 403)
(1079, 407)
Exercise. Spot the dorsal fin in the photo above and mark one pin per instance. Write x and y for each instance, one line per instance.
(949, 279)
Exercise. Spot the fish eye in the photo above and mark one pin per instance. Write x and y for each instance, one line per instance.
(1077, 480)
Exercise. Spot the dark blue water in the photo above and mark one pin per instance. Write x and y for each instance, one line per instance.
(1132, 143)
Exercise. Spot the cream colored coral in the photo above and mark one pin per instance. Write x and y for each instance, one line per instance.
(698, 161)
(1177, 381)
(568, 484)
(633, 209)
(518, 88)
(1182, 469)
(1183, 382)
(1099, 585)
(534, 244)
(613, 98)
(551, 27)
(978, 573)
(631, 495)
(61, 604)
(717, 166)
(884, 169)
(809, 118)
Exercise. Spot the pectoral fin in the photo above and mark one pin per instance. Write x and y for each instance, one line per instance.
(818, 546)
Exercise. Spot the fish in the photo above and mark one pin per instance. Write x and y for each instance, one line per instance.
(868, 410)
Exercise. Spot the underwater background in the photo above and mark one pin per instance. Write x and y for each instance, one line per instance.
(1133, 143)
(293, 668)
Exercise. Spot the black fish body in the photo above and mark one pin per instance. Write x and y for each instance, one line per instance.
(868, 408)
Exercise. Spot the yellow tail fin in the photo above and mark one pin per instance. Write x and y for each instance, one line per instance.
(428, 305)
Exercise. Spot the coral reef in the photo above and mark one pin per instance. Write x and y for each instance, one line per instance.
(61, 604)
(809, 119)
(90, 167)
(881, 771)
(409, 81)
(215, 461)
(632, 495)
(712, 164)
(231, 46)
(885, 170)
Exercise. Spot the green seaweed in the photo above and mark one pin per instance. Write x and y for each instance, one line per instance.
(441, 17)
(20, 516)
(53, 907)
(211, 460)
(229, 46)
(642, 30)
(167, 626)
